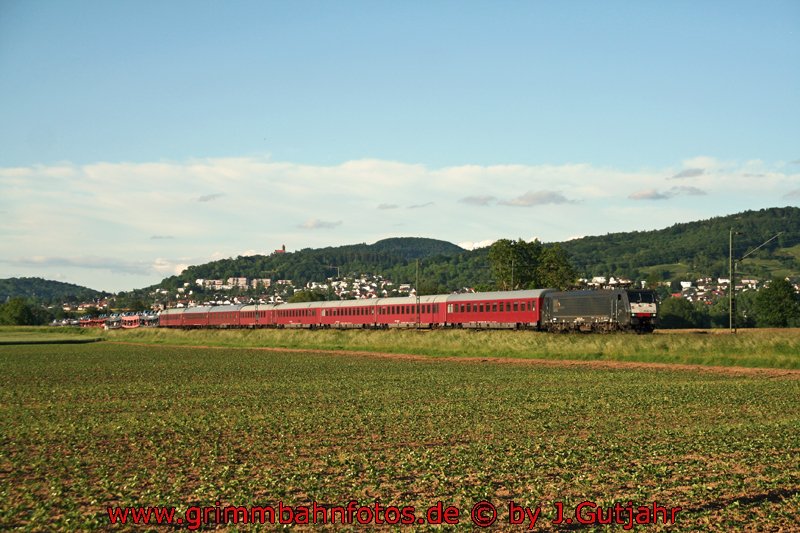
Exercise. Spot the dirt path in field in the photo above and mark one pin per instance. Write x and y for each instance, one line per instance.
(558, 363)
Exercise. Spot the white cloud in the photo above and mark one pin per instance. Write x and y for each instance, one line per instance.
(315, 223)
(211, 197)
(483, 199)
(689, 173)
(474, 245)
(532, 198)
(701, 163)
(146, 219)
(652, 194)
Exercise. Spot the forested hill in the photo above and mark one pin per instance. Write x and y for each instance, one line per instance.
(681, 251)
(687, 249)
(696, 247)
(46, 291)
(393, 258)
(414, 247)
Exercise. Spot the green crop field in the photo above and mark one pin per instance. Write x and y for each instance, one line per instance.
(774, 348)
(85, 427)
(47, 335)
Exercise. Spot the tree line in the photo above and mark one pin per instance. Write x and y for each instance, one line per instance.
(775, 306)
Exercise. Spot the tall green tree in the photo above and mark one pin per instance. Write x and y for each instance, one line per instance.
(681, 313)
(778, 306)
(514, 263)
(19, 312)
(554, 269)
(530, 265)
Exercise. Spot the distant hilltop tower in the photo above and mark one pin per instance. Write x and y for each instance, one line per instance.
(282, 249)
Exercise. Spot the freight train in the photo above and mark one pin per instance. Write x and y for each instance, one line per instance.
(542, 309)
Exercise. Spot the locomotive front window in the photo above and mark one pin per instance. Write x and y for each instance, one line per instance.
(647, 297)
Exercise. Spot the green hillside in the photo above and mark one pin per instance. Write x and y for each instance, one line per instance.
(696, 248)
(442, 264)
(680, 251)
(46, 291)
(690, 249)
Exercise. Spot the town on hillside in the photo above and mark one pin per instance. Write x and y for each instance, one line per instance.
(704, 291)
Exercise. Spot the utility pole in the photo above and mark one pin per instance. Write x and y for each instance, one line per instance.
(416, 292)
(732, 268)
(731, 283)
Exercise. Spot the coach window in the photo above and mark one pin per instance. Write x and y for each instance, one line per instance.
(516, 307)
(494, 308)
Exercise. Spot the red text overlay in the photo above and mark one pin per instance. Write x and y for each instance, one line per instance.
(482, 514)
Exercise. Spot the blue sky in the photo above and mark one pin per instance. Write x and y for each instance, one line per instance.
(140, 137)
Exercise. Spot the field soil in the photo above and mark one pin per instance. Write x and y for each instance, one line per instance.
(85, 428)
(564, 363)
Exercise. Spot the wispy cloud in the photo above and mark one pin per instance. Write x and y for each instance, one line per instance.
(481, 200)
(531, 198)
(85, 262)
(315, 223)
(653, 194)
(419, 206)
(211, 197)
(254, 197)
(689, 173)
(795, 162)
(687, 190)
(649, 194)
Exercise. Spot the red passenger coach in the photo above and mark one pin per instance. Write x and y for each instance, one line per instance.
(501, 309)
(256, 316)
(347, 314)
(224, 316)
(170, 318)
(404, 312)
(300, 315)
